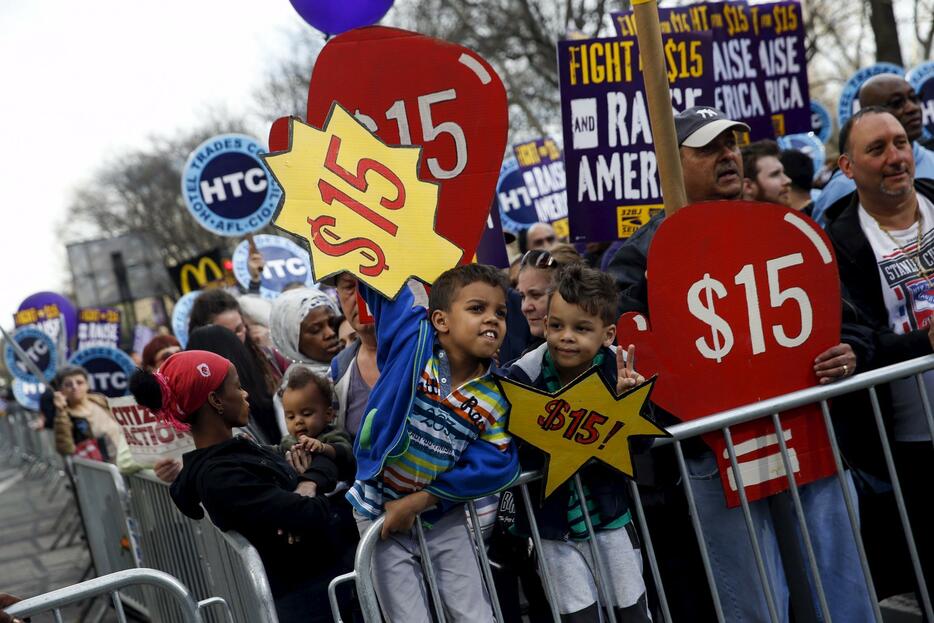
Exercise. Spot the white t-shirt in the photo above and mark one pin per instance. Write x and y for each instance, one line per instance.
(909, 299)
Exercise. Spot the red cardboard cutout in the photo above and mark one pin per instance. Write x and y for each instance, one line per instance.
(742, 296)
(412, 89)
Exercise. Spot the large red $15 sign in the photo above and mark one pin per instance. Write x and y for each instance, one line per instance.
(742, 297)
(410, 89)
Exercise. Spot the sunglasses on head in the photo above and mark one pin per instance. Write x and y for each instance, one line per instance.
(538, 258)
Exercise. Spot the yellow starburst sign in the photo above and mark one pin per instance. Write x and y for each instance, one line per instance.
(584, 420)
(360, 205)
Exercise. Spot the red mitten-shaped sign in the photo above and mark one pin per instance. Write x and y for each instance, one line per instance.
(742, 297)
(410, 89)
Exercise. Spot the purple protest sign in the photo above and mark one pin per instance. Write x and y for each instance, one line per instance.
(612, 174)
(51, 313)
(98, 327)
(758, 60)
(531, 188)
(779, 27)
(492, 247)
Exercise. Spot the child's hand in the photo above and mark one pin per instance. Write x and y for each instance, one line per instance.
(298, 459)
(310, 444)
(314, 446)
(626, 375)
(400, 514)
(307, 489)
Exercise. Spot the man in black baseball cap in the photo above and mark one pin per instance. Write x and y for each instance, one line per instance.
(710, 155)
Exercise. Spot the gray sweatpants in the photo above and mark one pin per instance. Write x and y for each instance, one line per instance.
(400, 584)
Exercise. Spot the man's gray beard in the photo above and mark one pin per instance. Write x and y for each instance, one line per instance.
(894, 193)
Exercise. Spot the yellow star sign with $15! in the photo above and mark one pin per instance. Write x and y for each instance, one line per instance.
(582, 421)
(360, 205)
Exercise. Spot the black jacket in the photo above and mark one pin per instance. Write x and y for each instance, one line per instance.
(249, 488)
(859, 274)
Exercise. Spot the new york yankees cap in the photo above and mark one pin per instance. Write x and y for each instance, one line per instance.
(697, 126)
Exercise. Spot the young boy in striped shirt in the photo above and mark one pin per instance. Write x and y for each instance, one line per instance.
(434, 435)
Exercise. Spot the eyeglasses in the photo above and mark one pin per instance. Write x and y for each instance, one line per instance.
(538, 258)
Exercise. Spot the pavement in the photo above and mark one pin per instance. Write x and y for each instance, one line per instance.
(35, 512)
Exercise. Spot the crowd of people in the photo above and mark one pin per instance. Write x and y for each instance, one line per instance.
(310, 424)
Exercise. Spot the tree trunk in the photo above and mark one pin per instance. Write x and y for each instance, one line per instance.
(882, 18)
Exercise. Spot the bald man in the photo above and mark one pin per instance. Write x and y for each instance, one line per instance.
(893, 93)
(541, 236)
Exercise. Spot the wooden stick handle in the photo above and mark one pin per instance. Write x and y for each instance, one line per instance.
(658, 95)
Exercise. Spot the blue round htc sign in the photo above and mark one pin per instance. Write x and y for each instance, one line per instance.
(28, 394)
(109, 369)
(821, 124)
(285, 263)
(849, 97)
(227, 188)
(809, 144)
(921, 79)
(40, 349)
(180, 315)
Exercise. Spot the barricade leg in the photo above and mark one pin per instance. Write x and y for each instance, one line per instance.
(484, 560)
(902, 509)
(799, 514)
(699, 531)
(547, 580)
(849, 500)
(650, 551)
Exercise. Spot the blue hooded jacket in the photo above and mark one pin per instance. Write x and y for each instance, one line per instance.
(405, 338)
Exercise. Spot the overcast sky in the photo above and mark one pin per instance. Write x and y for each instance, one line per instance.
(84, 81)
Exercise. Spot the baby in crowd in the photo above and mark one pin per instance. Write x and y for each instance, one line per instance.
(579, 333)
(308, 402)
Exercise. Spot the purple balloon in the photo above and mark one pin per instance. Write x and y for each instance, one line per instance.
(333, 17)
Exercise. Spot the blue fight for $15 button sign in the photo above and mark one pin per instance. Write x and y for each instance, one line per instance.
(227, 187)
(109, 369)
(285, 263)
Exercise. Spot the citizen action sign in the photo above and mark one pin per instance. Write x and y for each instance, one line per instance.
(227, 188)
(149, 438)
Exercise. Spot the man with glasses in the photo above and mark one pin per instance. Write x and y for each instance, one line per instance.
(895, 94)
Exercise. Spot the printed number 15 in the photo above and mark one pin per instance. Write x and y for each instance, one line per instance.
(430, 131)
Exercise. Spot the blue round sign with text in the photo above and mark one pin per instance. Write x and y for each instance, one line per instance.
(821, 123)
(808, 144)
(109, 369)
(39, 348)
(285, 263)
(849, 97)
(27, 394)
(227, 188)
(180, 314)
(921, 81)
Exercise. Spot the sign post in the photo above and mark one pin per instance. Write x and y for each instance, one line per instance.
(658, 94)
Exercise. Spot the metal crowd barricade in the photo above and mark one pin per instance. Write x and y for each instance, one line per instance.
(208, 561)
(189, 610)
(771, 408)
(104, 502)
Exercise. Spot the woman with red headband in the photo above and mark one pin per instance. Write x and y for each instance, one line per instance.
(247, 487)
